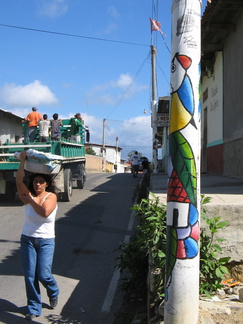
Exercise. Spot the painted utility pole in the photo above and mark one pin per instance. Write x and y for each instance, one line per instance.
(154, 111)
(183, 193)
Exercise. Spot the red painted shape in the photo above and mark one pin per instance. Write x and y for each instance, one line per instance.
(195, 232)
(185, 61)
(180, 253)
(176, 191)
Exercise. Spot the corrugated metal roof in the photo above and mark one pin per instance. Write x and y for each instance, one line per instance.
(10, 113)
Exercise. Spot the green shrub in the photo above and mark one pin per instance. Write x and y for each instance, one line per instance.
(212, 268)
(148, 245)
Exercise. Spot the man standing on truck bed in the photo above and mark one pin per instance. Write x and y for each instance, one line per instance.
(44, 126)
(76, 122)
(33, 118)
(55, 128)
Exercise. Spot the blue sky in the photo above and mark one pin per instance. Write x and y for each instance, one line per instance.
(92, 57)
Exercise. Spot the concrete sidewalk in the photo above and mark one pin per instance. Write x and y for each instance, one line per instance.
(226, 201)
(222, 190)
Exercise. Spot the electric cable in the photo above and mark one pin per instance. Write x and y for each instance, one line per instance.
(129, 86)
(72, 35)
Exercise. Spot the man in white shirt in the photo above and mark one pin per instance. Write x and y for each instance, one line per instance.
(135, 164)
(44, 129)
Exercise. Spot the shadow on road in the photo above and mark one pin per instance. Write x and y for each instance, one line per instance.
(86, 238)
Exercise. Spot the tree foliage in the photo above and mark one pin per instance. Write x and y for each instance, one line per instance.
(90, 151)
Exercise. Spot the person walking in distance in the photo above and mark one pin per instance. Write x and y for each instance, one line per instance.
(55, 128)
(145, 164)
(44, 129)
(38, 237)
(33, 118)
(135, 164)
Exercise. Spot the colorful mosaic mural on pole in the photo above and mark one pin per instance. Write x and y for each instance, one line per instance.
(183, 194)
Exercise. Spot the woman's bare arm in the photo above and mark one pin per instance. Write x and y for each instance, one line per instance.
(21, 187)
(42, 207)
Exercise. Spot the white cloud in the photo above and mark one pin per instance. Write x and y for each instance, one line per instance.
(32, 94)
(52, 8)
(67, 85)
(123, 82)
(133, 134)
(113, 17)
(108, 93)
(113, 12)
(109, 29)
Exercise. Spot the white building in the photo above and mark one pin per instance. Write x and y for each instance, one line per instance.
(10, 127)
(111, 154)
(222, 95)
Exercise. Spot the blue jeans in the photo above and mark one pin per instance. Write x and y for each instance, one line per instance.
(30, 134)
(37, 256)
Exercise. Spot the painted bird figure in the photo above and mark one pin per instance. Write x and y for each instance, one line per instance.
(182, 97)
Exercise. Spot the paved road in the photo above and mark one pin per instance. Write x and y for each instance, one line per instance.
(88, 230)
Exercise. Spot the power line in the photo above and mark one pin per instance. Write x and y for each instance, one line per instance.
(121, 122)
(72, 35)
(163, 73)
(138, 146)
(165, 43)
(129, 86)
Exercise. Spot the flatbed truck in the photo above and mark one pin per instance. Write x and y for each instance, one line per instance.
(72, 164)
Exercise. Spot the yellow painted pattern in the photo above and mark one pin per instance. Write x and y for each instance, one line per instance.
(179, 115)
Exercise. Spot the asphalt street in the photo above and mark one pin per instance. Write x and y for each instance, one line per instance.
(89, 229)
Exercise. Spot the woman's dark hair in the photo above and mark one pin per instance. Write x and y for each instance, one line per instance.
(55, 116)
(48, 179)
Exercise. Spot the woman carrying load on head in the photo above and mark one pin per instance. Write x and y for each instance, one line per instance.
(38, 237)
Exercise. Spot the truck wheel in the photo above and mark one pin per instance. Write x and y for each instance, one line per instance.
(68, 185)
(80, 183)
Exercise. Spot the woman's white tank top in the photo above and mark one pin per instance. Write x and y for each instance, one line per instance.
(39, 226)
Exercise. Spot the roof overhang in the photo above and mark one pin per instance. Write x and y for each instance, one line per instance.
(218, 22)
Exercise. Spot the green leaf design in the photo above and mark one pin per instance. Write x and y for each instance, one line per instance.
(184, 164)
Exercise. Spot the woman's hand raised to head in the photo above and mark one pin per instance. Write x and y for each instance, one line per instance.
(23, 155)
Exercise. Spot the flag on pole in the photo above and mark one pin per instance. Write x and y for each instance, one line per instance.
(156, 26)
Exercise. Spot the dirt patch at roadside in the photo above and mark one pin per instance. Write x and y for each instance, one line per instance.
(210, 312)
(222, 312)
